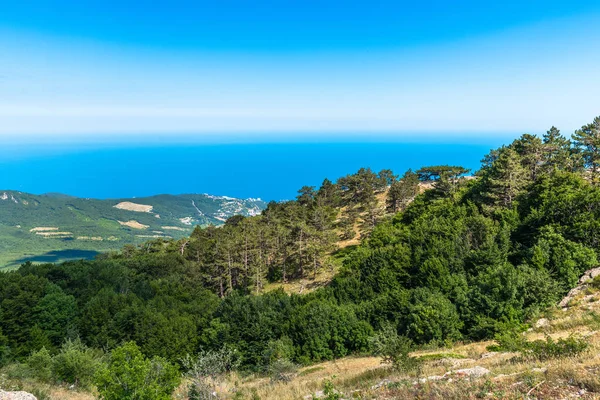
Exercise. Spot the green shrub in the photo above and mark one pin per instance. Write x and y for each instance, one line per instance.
(330, 392)
(16, 372)
(282, 348)
(40, 362)
(282, 370)
(540, 349)
(205, 368)
(212, 363)
(550, 348)
(509, 340)
(129, 375)
(201, 390)
(5, 355)
(75, 363)
(394, 349)
(432, 317)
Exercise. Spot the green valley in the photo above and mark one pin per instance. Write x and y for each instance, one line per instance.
(56, 227)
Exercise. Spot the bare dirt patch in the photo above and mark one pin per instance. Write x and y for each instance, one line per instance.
(56, 235)
(134, 224)
(93, 238)
(43, 229)
(129, 206)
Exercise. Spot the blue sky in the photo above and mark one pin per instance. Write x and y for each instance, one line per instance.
(218, 69)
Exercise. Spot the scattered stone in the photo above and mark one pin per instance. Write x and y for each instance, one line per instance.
(431, 378)
(319, 394)
(381, 384)
(489, 354)
(542, 323)
(475, 372)
(540, 370)
(16, 396)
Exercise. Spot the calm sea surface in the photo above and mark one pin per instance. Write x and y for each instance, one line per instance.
(265, 170)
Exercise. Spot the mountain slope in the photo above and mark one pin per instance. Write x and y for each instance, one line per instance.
(54, 227)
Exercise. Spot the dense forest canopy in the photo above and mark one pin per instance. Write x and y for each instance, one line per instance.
(462, 260)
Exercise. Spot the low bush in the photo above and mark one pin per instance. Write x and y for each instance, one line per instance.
(129, 375)
(330, 392)
(282, 370)
(394, 349)
(550, 348)
(40, 363)
(212, 363)
(74, 364)
(205, 368)
(540, 349)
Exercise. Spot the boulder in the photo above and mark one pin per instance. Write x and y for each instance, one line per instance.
(583, 284)
(589, 275)
(16, 396)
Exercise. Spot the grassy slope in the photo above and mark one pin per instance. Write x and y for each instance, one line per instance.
(326, 274)
(509, 378)
(91, 218)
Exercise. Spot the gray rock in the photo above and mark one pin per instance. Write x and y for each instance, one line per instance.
(431, 378)
(317, 395)
(381, 384)
(585, 278)
(589, 275)
(475, 372)
(542, 323)
(16, 396)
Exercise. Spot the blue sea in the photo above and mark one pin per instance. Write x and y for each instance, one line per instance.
(271, 171)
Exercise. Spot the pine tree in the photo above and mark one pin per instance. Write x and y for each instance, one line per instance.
(403, 191)
(557, 151)
(306, 195)
(587, 141)
(328, 194)
(506, 178)
(445, 178)
(531, 150)
(386, 178)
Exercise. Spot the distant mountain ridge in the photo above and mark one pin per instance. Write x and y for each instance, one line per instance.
(33, 225)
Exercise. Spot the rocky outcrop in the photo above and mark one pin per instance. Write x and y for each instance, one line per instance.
(465, 373)
(16, 395)
(587, 277)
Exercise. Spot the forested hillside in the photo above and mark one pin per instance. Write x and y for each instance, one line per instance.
(468, 259)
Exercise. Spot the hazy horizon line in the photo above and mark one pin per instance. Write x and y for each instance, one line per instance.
(249, 137)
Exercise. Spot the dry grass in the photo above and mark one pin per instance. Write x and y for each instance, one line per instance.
(510, 377)
(45, 391)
